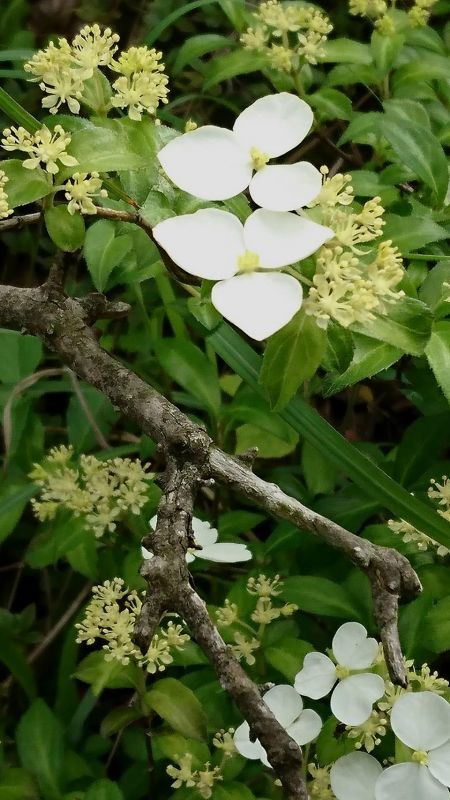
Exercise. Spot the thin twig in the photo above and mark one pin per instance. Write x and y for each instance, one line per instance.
(101, 441)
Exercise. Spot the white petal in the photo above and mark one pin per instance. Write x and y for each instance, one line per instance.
(306, 728)
(209, 163)
(353, 777)
(352, 699)
(207, 243)
(153, 522)
(190, 557)
(280, 238)
(243, 744)
(409, 782)
(439, 763)
(259, 304)
(285, 704)
(146, 554)
(285, 187)
(352, 648)
(421, 720)
(274, 124)
(204, 533)
(317, 677)
(225, 552)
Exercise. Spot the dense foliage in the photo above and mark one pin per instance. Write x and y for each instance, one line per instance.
(345, 397)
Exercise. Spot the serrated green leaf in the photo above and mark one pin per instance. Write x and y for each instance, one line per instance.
(369, 357)
(412, 232)
(407, 327)
(291, 357)
(65, 230)
(179, 707)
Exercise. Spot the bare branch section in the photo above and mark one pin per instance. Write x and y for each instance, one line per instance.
(169, 589)
(63, 325)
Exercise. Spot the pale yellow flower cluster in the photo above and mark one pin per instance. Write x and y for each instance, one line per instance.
(111, 617)
(350, 282)
(202, 780)
(410, 534)
(100, 491)
(369, 734)
(44, 148)
(224, 741)
(289, 35)
(80, 190)
(378, 12)
(264, 613)
(428, 681)
(62, 71)
(319, 787)
(5, 210)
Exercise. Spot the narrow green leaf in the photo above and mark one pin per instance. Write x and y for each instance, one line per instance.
(291, 357)
(189, 367)
(179, 707)
(13, 500)
(65, 230)
(385, 50)
(370, 356)
(166, 22)
(16, 113)
(303, 418)
(41, 748)
(437, 352)
(197, 46)
(239, 62)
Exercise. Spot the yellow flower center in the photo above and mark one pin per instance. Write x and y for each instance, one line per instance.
(248, 262)
(342, 672)
(420, 757)
(259, 159)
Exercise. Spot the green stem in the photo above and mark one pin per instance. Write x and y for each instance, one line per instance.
(17, 113)
(425, 257)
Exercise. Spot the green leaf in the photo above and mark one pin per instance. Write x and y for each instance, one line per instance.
(331, 104)
(422, 443)
(385, 50)
(109, 147)
(16, 784)
(187, 365)
(19, 355)
(320, 596)
(437, 352)
(291, 357)
(118, 719)
(80, 432)
(437, 630)
(179, 707)
(65, 230)
(103, 251)
(305, 420)
(320, 475)
(410, 110)
(101, 674)
(55, 540)
(13, 500)
(24, 185)
(370, 356)
(12, 656)
(287, 656)
(346, 51)
(103, 790)
(412, 232)
(407, 326)
(239, 62)
(418, 148)
(197, 46)
(41, 748)
(433, 290)
(167, 21)
(16, 112)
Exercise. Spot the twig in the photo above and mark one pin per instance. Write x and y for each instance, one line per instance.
(101, 441)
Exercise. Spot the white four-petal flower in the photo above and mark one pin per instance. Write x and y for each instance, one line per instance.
(303, 725)
(354, 776)
(214, 163)
(421, 721)
(353, 697)
(214, 244)
(208, 547)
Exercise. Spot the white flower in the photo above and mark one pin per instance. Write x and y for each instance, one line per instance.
(353, 697)
(214, 244)
(303, 725)
(215, 163)
(353, 777)
(421, 721)
(208, 547)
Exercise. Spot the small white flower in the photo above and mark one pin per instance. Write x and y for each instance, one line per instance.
(302, 725)
(215, 163)
(353, 697)
(421, 721)
(214, 244)
(208, 547)
(354, 776)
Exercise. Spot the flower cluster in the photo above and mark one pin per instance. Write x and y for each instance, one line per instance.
(378, 12)
(206, 545)
(111, 617)
(264, 613)
(63, 71)
(80, 190)
(202, 780)
(410, 534)
(5, 210)
(100, 491)
(289, 35)
(351, 283)
(43, 148)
